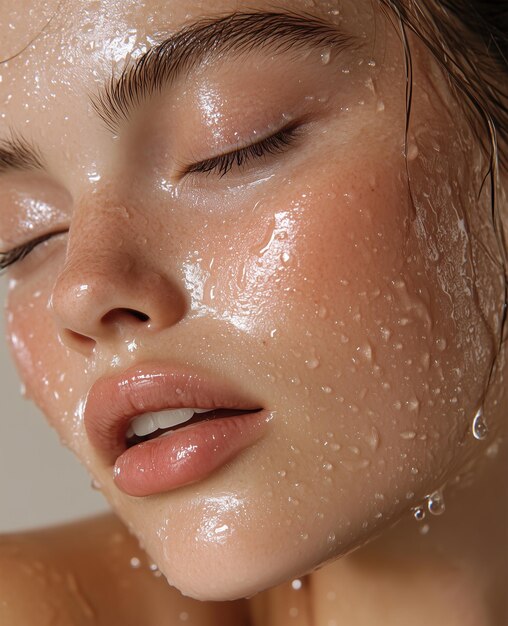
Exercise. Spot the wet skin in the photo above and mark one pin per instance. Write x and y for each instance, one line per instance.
(361, 313)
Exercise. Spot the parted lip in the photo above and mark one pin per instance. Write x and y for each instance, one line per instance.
(113, 401)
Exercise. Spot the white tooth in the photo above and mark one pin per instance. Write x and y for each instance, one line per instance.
(173, 417)
(144, 425)
(130, 432)
(201, 410)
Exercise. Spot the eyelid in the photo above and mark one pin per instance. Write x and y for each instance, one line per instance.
(273, 143)
(18, 253)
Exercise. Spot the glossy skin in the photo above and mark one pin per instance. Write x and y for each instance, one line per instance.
(308, 280)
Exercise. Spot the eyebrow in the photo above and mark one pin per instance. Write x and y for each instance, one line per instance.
(207, 38)
(18, 153)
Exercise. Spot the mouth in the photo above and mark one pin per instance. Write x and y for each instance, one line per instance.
(161, 427)
(152, 425)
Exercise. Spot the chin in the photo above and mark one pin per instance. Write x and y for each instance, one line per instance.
(254, 553)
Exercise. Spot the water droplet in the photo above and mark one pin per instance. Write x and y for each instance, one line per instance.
(94, 177)
(372, 439)
(312, 364)
(480, 430)
(325, 56)
(419, 513)
(441, 344)
(322, 312)
(424, 529)
(408, 435)
(135, 562)
(412, 152)
(327, 467)
(386, 333)
(366, 351)
(296, 584)
(356, 465)
(184, 616)
(282, 473)
(326, 389)
(413, 404)
(380, 106)
(96, 485)
(435, 503)
(493, 450)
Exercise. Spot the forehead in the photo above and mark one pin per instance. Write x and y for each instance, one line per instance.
(58, 55)
(54, 48)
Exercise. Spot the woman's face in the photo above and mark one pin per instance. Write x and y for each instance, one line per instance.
(356, 310)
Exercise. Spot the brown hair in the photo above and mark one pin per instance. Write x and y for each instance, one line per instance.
(469, 39)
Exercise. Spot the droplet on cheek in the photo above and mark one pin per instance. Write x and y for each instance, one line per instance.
(480, 429)
(419, 513)
(435, 503)
(412, 152)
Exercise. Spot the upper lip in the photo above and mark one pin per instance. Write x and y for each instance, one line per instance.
(114, 401)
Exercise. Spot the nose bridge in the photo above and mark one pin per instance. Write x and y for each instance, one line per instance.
(99, 244)
(110, 281)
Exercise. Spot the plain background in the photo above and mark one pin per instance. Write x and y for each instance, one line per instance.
(41, 482)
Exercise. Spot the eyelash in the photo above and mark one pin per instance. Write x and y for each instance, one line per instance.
(20, 252)
(275, 144)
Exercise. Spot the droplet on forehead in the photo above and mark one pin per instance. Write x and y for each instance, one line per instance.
(325, 56)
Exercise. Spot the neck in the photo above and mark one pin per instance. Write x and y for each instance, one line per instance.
(446, 571)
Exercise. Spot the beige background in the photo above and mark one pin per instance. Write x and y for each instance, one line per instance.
(41, 482)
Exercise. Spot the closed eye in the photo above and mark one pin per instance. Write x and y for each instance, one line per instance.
(20, 252)
(222, 164)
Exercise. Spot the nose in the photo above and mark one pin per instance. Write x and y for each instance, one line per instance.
(111, 288)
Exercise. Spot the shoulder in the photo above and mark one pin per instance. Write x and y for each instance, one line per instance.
(29, 581)
(37, 584)
(80, 573)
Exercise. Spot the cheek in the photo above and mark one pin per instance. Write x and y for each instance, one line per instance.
(373, 369)
(53, 377)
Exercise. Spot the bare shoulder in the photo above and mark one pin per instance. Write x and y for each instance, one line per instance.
(33, 580)
(81, 573)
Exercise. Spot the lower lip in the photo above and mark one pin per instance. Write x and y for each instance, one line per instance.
(186, 455)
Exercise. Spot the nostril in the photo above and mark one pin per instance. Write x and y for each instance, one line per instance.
(140, 316)
(119, 314)
(79, 342)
